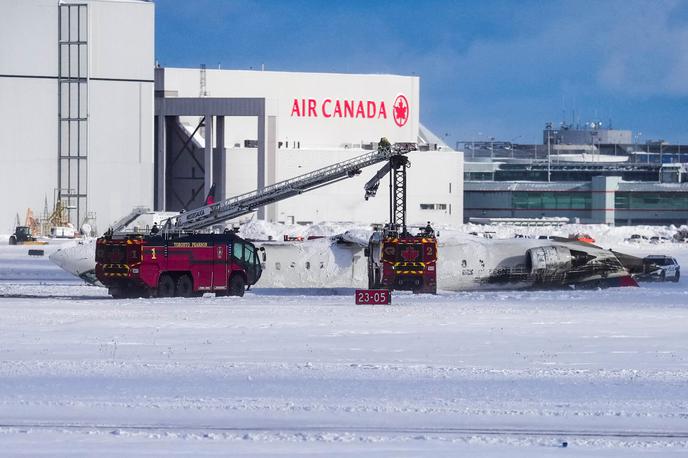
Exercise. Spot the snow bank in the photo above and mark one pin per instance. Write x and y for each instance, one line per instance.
(602, 233)
(262, 230)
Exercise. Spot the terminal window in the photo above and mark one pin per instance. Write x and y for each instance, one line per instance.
(551, 200)
(651, 200)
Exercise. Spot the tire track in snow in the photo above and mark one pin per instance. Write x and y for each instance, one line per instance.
(450, 431)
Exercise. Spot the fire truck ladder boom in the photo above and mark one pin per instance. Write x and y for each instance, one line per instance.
(396, 167)
(246, 203)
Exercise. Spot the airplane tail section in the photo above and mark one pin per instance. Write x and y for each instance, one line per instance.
(210, 199)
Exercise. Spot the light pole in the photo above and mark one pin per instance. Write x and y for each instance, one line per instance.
(549, 156)
(661, 162)
(480, 139)
(637, 144)
(512, 144)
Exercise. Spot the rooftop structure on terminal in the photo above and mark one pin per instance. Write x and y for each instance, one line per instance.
(590, 133)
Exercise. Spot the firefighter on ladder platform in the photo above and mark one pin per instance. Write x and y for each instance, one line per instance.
(396, 258)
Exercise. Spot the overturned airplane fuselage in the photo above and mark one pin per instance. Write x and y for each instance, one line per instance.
(465, 263)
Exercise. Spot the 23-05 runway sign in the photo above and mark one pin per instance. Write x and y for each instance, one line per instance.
(373, 297)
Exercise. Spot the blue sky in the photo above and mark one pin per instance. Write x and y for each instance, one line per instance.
(487, 68)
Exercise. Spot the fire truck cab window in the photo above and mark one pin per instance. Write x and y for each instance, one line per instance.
(238, 250)
(249, 255)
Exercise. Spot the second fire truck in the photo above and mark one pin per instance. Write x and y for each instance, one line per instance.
(398, 259)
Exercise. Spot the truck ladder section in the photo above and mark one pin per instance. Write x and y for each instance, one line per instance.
(246, 203)
(119, 225)
(397, 165)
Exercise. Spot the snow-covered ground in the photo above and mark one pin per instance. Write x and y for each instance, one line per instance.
(288, 372)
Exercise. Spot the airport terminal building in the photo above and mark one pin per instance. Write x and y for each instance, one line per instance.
(95, 125)
(589, 174)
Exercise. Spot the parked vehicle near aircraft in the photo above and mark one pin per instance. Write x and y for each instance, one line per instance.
(660, 268)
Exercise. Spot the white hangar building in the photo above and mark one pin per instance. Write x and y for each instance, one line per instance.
(308, 121)
(93, 123)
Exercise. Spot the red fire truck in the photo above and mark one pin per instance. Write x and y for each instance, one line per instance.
(398, 259)
(183, 265)
(403, 262)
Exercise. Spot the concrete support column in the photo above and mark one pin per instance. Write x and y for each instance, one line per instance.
(603, 199)
(272, 163)
(208, 156)
(261, 158)
(220, 160)
(160, 191)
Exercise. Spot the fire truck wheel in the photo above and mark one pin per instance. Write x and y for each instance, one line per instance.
(136, 292)
(165, 286)
(184, 286)
(117, 293)
(236, 285)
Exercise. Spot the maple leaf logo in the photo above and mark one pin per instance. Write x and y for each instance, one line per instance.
(410, 254)
(400, 110)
